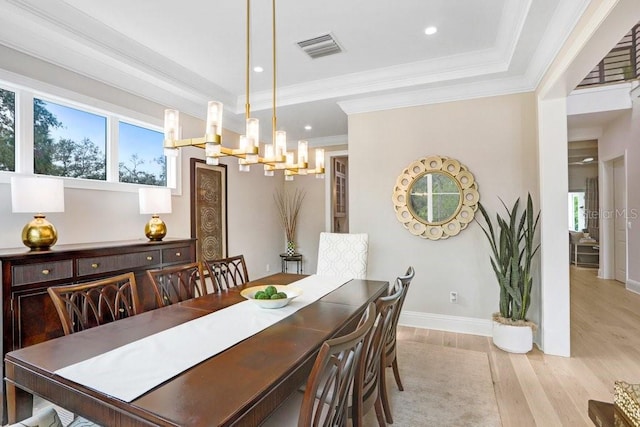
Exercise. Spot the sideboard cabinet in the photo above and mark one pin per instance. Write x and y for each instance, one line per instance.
(28, 315)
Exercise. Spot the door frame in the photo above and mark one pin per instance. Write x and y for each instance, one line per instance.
(328, 161)
(607, 225)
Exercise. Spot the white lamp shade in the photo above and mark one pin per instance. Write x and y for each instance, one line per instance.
(37, 195)
(154, 200)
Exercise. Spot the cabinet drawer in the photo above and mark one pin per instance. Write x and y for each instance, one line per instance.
(109, 263)
(41, 272)
(180, 254)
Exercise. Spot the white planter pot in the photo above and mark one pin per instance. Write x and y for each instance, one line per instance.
(514, 339)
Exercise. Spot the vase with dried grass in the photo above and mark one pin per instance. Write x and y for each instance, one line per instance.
(289, 204)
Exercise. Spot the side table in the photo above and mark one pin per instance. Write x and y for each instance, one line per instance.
(296, 257)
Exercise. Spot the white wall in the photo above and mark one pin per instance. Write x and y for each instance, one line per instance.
(621, 138)
(496, 139)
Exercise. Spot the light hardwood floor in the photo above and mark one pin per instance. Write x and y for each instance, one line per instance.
(540, 390)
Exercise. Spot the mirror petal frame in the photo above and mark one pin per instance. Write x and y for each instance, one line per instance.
(459, 220)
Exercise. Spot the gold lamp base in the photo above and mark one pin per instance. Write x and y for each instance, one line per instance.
(39, 234)
(155, 229)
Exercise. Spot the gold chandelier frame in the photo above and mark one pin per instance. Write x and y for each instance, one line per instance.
(275, 155)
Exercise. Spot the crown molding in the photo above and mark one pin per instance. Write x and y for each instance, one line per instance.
(388, 78)
(436, 95)
(329, 141)
(557, 32)
(97, 51)
(509, 33)
(439, 70)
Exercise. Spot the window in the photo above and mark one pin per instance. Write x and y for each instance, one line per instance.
(68, 142)
(576, 211)
(141, 159)
(7, 130)
(74, 136)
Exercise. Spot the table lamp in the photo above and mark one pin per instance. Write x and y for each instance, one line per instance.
(155, 201)
(37, 195)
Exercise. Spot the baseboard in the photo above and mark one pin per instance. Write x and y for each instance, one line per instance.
(443, 322)
(633, 286)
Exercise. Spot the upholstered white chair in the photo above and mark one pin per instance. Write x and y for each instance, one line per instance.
(342, 254)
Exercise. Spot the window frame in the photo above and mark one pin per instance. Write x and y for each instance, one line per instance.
(28, 89)
(16, 135)
(169, 164)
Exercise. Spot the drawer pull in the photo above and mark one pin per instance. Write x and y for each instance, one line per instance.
(149, 258)
(46, 271)
(95, 265)
(178, 254)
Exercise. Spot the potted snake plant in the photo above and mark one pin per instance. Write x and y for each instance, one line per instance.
(512, 251)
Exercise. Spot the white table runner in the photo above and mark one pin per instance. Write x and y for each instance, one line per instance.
(129, 371)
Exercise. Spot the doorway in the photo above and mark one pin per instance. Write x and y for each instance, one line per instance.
(340, 194)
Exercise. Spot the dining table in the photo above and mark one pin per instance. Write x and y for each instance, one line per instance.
(239, 386)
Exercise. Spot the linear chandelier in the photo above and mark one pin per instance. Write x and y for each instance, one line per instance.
(275, 155)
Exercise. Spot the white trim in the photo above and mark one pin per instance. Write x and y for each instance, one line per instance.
(599, 99)
(633, 286)
(328, 166)
(443, 322)
(91, 184)
(327, 141)
(436, 95)
(97, 51)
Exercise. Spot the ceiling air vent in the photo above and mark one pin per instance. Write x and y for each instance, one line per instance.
(320, 46)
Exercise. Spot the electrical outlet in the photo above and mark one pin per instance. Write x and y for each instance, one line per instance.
(268, 268)
(453, 297)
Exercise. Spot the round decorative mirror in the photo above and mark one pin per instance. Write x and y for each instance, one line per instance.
(435, 197)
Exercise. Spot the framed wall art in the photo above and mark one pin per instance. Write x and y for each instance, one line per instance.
(209, 209)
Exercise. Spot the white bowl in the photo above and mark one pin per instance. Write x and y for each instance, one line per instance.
(271, 303)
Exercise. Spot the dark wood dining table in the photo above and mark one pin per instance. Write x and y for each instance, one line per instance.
(240, 386)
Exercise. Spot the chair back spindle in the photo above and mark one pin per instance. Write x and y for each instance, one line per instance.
(367, 384)
(86, 305)
(327, 394)
(227, 273)
(178, 283)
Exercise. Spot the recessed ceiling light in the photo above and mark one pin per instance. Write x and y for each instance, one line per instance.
(308, 127)
(258, 69)
(588, 159)
(430, 30)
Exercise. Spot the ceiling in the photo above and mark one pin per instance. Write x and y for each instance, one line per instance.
(583, 153)
(181, 54)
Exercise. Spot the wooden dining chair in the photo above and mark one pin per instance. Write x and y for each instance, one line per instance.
(368, 384)
(177, 283)
(389, 354)
(327, 394)
(226, 273)
(85, 305)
